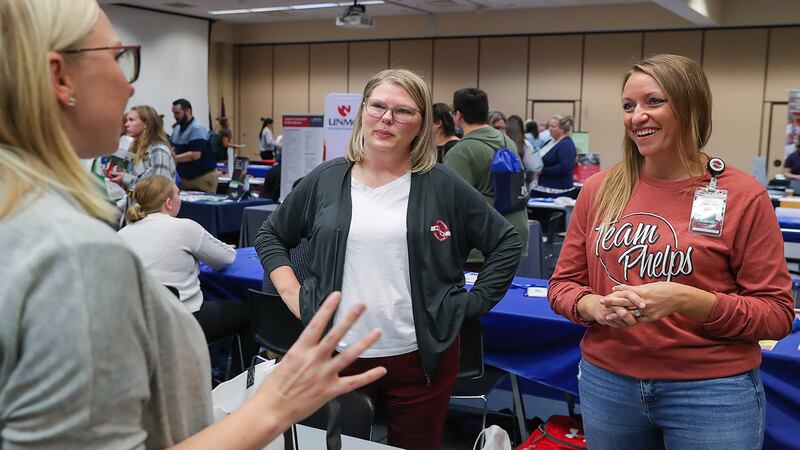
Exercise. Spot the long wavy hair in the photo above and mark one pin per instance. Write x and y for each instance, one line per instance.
(35, 153)
(422, 156)
(153, 134)
(688, 94)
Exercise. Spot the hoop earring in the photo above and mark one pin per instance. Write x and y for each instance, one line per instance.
(72, 101)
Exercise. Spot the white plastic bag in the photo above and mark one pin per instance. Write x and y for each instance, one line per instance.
(232, 394)
(495, 438)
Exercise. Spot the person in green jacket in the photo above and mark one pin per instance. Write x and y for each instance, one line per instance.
(472, 158)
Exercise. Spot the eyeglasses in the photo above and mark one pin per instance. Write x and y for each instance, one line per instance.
(401, 114)
(128, 57)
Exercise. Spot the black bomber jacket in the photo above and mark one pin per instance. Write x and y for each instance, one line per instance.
(446, 218)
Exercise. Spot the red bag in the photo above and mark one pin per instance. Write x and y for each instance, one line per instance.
(558, 433)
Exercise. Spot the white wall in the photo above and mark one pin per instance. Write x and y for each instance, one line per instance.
(174, 59)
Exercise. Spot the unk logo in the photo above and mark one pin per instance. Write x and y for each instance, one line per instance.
(344, 110)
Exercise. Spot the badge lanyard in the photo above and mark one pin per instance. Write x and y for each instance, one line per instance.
(708, 208)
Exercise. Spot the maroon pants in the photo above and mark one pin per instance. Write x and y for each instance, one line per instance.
(415, 410)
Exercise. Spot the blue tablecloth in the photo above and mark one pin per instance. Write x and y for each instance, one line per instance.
(218, 216)
(522, 335)
(256, 170)
(790, 227)
(789, 222)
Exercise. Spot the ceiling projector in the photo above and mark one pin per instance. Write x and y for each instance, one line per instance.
(355, 16)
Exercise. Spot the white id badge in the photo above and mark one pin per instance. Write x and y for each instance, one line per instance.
(708, 212)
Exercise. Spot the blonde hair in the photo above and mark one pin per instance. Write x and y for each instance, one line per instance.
(153, 133)
(687, 92)
(565, 123)
(422, 156)
(35, 152)
(149, 195)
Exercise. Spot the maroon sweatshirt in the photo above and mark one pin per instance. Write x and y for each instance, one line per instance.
(744, 267)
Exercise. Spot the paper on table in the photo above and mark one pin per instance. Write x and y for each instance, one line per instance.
(767, 344)
(536, 292)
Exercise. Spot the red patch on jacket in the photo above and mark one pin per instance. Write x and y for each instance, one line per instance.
(440, 230)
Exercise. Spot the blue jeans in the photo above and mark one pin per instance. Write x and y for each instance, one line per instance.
(621, 412)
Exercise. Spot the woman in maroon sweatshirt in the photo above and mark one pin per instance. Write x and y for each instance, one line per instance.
(675, 281)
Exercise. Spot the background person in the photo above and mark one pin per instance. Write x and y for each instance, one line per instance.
(153, 156)
(171, 250)
(378, 221)
(472, 157)
(268, 145)
(558, 156)
(531, 159)
(195, 160)
(497, 120)
(444, 130)
(791, 167)
(96, 354)
(671, 354)
(532, 135)
(221, 139)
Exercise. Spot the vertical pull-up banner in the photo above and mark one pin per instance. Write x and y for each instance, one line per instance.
(340, 114)
(302, 148)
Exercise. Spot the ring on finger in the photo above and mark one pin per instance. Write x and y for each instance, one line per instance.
(637, 313)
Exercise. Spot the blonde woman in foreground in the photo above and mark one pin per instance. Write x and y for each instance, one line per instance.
(93, 352)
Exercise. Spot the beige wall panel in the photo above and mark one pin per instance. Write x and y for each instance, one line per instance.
(734, 62)
(555, 67)
(606, 58)
(295, 31)
(366, 59)
(291, 81)
(328, 73)
(544, 111)
(415, 55)
(776, 136)
(784, 64)
(684, 43)
(763, 143)
(455, 66)
(641, 16)
(503, 73)
(254, 98)
(221, 81)
(772, 12)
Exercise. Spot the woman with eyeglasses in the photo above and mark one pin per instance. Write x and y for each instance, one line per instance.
(94, 354)
(387, 225)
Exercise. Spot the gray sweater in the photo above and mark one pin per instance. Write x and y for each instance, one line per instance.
(94, 354)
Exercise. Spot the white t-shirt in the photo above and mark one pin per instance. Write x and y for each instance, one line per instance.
(170, 248)
(376, 269)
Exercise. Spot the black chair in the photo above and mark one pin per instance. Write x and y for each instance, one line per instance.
(356, 419)
(532, 266)
(551, 248)
(273, 324)
(237, 339)
(277, 329)
(475, 379)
